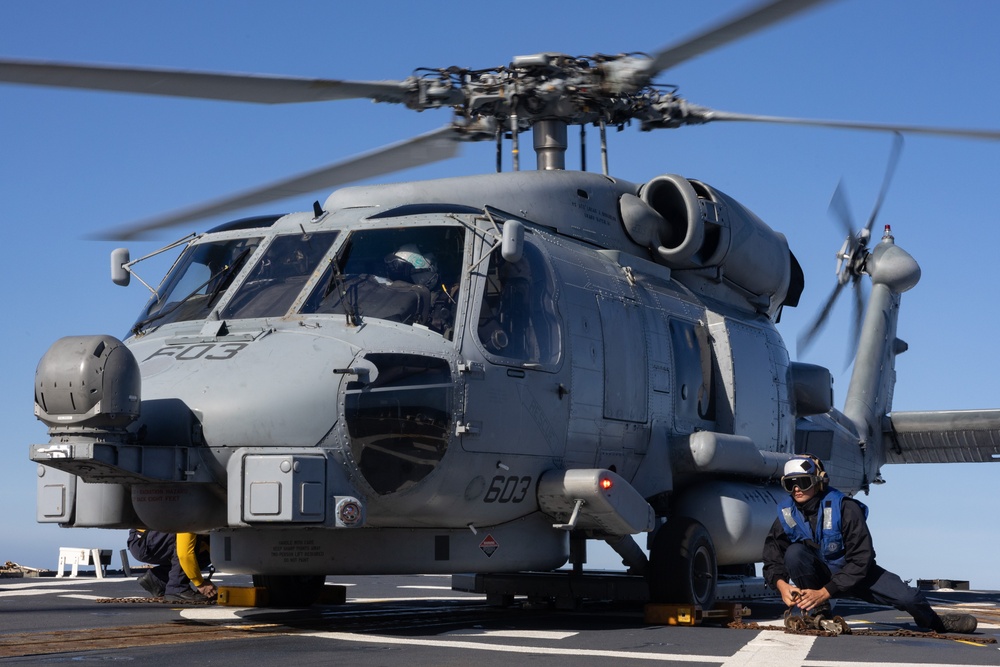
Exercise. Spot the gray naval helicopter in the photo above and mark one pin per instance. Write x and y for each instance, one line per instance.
(477, 374)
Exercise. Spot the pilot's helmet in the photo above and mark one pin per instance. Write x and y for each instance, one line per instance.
(409, 264)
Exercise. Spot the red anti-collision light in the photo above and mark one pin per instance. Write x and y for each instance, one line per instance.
(606, 483)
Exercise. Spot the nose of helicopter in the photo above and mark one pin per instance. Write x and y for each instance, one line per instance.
(275, 389)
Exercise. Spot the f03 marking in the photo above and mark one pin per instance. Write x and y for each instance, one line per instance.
(208, 351)
(507, 489)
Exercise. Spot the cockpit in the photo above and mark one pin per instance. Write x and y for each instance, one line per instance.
(409, 275)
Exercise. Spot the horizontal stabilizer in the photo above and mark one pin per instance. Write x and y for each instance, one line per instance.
(943, 436)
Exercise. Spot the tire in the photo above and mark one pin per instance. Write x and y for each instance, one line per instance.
(682, 564)
(290, 590)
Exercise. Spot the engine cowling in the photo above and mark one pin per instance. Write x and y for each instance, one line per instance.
(694, 228)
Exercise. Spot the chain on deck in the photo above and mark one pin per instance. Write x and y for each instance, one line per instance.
(739, 625)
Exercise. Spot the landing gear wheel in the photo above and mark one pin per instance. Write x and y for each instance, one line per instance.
(290, 590)
(682, 564)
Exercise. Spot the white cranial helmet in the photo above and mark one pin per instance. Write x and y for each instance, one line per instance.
(408, 263)
(800, 466)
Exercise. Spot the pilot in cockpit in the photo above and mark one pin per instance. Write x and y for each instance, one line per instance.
(407, 285)
(410, 275)
(410, 265)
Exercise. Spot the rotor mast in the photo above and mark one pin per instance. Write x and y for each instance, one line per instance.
(549, 139)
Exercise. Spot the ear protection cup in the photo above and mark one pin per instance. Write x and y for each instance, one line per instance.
(821, 476)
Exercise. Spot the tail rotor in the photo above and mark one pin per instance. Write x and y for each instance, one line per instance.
(852, 256)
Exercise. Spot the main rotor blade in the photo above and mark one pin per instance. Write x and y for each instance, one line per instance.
(755, 19)
(708, 115)
(440, 144)
(258, 88)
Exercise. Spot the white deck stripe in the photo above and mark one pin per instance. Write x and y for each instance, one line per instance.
(534, 650)
(767, 648)
(773, 648)
(515, 634)
(34, 591)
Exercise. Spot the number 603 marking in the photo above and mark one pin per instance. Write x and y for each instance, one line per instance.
(507, 489)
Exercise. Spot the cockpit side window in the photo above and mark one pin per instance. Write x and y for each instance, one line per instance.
(517, 317)
(279, 276)
(409, 275)
(198, 279)
(400, 425)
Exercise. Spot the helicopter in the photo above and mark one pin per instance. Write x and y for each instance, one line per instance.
(388, 422)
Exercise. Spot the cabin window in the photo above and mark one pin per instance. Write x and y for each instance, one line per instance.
(409, 275)
(695, 399)
(400, 424)
(279, 276)
(199, 277)
(517, 314)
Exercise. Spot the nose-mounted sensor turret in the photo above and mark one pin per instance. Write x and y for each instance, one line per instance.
(89, 382)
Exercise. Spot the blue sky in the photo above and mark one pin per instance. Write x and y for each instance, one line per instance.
(74, 163)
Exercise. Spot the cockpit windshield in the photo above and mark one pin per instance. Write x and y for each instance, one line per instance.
(409, 275)
(203, 273)
(279, 276)
(193, 286)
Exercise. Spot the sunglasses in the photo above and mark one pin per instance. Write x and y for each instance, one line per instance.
(804, 482)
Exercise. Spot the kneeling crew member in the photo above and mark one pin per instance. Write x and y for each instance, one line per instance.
(820, 540)
(179, 559)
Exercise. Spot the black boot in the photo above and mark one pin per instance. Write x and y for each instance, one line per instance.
(963, 623)
(152, 585)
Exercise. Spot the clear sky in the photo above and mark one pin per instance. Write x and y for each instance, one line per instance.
(74, 163)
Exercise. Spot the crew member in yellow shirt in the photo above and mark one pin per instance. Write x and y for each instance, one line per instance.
(178, 560)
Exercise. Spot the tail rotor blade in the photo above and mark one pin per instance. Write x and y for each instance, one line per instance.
(841, 210)
(853, 255)
(890, 171)
(806, 339)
